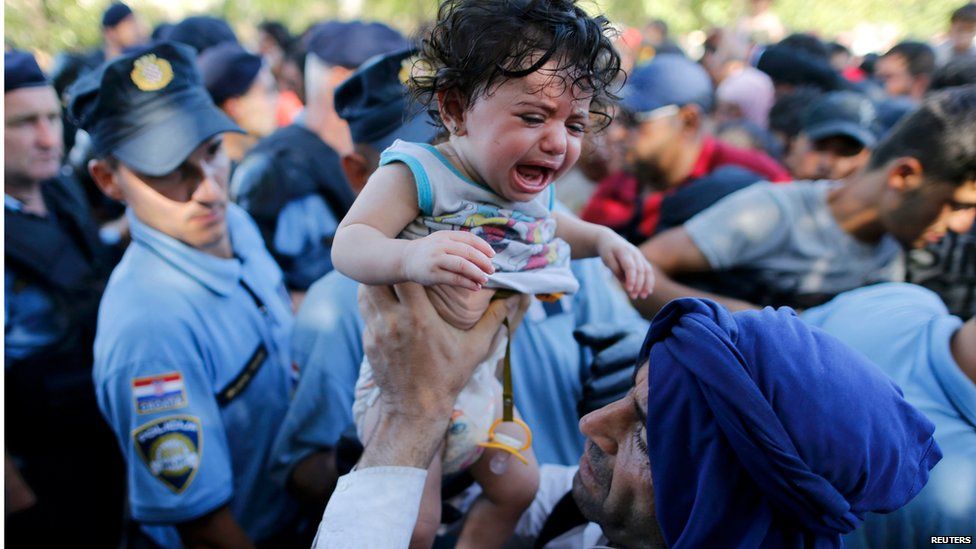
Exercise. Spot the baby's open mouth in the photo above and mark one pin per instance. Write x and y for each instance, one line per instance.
(533, 178)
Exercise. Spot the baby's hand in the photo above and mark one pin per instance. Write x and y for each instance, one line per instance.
(628, 264)
(456, 258)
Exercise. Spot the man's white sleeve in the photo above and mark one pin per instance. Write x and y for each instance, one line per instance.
(375, 507)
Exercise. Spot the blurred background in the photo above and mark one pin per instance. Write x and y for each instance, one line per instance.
(49, 26)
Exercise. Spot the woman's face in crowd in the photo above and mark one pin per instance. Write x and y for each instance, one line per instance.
(613, 487)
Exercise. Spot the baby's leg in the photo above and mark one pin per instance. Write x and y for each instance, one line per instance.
(429, 517)
(492, 518)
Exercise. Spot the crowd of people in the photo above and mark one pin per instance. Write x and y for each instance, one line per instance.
(525, 279)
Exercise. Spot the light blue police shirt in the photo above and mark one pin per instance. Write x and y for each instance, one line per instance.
(906, 330)
(547, 365)
(192, 371)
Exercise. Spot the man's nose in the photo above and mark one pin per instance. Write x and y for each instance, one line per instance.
(48, 134)
(210, 189)
(606, 425)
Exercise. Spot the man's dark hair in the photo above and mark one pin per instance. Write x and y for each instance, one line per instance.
(964, 14)
(479, 44)
(960, 71)
(786, 115)
(278, 33)
(919, 55)
(836, 48)
(940, 134)
(807, 43)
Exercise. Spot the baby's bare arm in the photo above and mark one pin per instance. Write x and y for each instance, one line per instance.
(581, 236)
(365, 247)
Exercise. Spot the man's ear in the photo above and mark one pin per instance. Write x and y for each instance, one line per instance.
(451, 108)
(104, 176)
(231, 107)
(691, 118)
(338, 74)
(357, 170)
(904, 174)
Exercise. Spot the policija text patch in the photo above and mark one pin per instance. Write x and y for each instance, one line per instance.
(170, 448)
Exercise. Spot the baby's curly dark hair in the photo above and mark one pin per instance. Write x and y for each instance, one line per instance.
(478, 44)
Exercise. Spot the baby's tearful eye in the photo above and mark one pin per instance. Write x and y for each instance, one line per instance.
(577, 128)
(532, 118)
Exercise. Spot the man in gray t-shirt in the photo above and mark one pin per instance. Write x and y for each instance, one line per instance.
(790, 240)
(803, 243)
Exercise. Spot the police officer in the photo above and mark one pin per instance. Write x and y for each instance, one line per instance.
(552, 373)
(291, 182)
(191, 354)
(59, 447)
(240, 84)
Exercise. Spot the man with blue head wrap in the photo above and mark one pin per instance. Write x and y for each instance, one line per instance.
(742, 430)
(765, 432)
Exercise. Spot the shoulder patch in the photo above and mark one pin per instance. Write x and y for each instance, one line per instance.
(159, 393)
(171, 448)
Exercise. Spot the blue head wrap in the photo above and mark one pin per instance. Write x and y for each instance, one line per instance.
(763, 431)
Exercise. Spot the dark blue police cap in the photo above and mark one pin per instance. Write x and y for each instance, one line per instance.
(375, 103)
(228, 70)
(350, 44)
(842, 113)
(20, 70)
(148, 108)
(202, 32)
(788, 65)
(668, 79)
(114, 14)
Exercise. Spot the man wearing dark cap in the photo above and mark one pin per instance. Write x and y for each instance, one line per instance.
(121, 29)
(906, 69)
(803, 243)
(677, 168)
(202, 32)
(244, 89)
(704, 451)
(60, 452)
(292, 183)
(837, 135)
(192, 359)
(791, 66)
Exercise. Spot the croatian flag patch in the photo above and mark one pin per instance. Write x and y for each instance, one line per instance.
(159, 393)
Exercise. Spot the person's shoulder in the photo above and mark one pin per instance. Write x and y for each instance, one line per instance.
(142, 286)
(891, 301)
(137, 322)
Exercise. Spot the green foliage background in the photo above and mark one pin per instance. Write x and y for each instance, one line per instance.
(49, 26)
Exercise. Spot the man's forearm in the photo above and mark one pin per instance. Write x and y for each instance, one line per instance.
(666, 290)
(405, 440)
